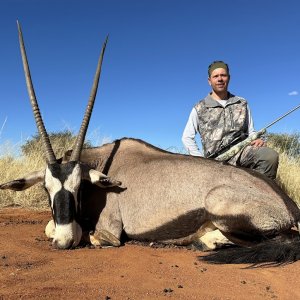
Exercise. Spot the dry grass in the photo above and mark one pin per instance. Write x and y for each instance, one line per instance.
(288, 176)
(34, 197)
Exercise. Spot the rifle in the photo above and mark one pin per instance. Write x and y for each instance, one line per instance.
(241, 145)
(237, 138)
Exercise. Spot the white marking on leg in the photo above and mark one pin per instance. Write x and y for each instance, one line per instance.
(214, 239)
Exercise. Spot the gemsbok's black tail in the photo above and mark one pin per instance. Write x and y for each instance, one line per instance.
(275, 252)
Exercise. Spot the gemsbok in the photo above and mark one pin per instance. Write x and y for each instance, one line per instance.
(164, 197)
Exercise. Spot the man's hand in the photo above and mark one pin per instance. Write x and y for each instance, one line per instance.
(258, 143)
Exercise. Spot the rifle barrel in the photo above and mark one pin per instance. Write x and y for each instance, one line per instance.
(289, 112)
(238, 147)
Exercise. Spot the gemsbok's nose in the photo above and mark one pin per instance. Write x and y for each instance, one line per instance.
(62, 245)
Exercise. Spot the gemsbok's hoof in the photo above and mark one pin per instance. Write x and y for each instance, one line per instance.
(104, 239)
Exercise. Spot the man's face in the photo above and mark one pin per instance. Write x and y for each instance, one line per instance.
(219, 80)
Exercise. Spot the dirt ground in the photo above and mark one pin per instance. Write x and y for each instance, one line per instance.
(32, 269)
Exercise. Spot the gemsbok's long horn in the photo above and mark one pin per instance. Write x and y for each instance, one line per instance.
(50, 156)
(86, 119)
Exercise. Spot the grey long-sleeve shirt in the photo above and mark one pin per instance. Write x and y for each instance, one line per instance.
(191, 129)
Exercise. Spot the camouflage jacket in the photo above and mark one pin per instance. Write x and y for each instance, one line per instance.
(218, 125)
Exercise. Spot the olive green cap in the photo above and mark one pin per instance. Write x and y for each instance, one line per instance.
(217, 64)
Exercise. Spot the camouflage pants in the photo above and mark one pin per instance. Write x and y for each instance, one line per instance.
(261, 159)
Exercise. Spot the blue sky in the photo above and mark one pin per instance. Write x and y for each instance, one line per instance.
(155, 66)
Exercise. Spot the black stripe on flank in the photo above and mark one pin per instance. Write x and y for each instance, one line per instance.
(239, 226)
(180, 227)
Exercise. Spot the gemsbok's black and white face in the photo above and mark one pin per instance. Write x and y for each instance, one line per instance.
(62, 181)
(62, 184)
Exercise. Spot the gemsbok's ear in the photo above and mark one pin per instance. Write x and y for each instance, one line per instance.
(25, 182)
(98, 178)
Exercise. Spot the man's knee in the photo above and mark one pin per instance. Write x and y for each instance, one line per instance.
(268, 155)
(267, 161)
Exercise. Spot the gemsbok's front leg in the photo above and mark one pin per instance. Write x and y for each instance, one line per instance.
(109, 227)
